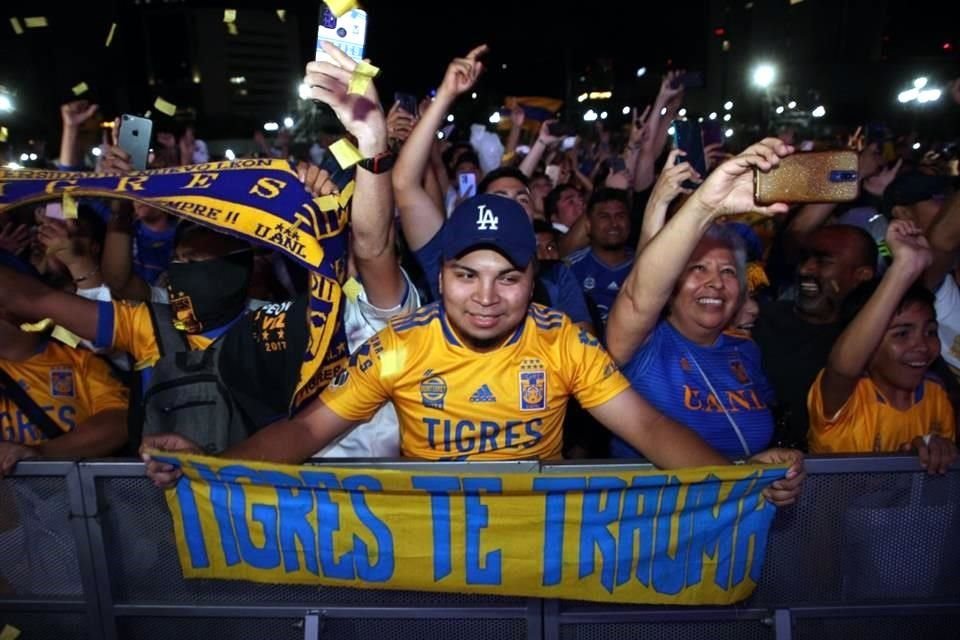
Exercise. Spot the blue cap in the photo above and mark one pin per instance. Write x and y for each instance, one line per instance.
(492, 222)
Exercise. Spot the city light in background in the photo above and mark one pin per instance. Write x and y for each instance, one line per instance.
(763, 75)
(271, 126)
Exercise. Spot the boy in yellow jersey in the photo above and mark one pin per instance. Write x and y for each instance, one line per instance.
(483, 374)
(875, 393)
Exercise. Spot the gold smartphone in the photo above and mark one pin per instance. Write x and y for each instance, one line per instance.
(816, 176)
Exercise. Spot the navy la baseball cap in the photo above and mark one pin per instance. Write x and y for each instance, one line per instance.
(492, 222)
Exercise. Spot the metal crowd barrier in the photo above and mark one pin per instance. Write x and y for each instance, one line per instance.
(872, 549)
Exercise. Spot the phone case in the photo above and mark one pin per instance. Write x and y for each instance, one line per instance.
(134, 138)
(817, 176)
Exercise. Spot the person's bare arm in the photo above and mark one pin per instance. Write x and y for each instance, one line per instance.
(73, 114)
(29, 298)
(665, 442)
(420, 217)
(100, 435)
(575, 238)
(668, 186)
(543, 142)
(371, 220)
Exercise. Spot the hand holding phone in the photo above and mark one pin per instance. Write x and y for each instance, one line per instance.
(688, 137)
(348, 33)
(407, 102)
(467, 185)
(134, 138)
(817, 176)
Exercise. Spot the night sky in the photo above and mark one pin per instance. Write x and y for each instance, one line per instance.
(413, 41)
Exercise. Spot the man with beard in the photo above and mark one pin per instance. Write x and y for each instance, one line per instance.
(602, 267)
(795, 337)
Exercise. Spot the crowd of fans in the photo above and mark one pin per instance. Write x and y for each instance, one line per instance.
(590, 296)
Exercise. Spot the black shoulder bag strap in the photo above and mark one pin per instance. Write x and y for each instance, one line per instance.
(19, 397)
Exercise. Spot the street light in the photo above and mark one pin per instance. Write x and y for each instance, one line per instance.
(928, 95)
(792, 104)
(819, 112)
(779, 110)
(494, 117)
(919, 83)
(713, 115)
(626, 111)
(229, 154)
(682, 113)
(288, 122)
(303, 91)
(764, 75)
(5, 103)
(728, 105)
(641, 72)
(603, 115)
(726, 117)
(590, 116)
(270, 126)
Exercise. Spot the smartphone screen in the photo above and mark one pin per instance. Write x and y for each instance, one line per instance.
(407, 102)
(688, 138)
(467, 185)
(568, 143)
(712, 132)
(134, 138)
(348, 33)
(54, 210)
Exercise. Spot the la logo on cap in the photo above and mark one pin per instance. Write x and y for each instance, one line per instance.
(486, 220)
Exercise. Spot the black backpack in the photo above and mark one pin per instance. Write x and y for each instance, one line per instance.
(186, 394)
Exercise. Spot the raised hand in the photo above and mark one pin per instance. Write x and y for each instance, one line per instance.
(76, 112)
(908, 245)
(639, 131)
(14, 238)
(361, 115)
(670, 87)
(729, 188)
(669, 183)
(399, 123)
(462, 73)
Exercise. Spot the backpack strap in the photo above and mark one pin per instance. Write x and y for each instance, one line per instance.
(169, 339)
(19, 397)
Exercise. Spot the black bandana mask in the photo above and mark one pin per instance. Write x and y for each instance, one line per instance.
(209, 293)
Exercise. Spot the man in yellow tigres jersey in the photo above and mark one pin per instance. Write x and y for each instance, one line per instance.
(483, 374)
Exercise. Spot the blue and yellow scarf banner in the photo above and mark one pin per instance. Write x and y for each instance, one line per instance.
(259, 199)
(692, 536)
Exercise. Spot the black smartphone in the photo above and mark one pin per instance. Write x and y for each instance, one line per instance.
(712, 132)
(561, 129)
(690, 80)
(688, 137)
(407, 102)
(134, 138)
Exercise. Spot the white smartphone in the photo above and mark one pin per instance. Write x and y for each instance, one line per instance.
(54, 210)
(134, 138)
(467, 185)
(348, 33)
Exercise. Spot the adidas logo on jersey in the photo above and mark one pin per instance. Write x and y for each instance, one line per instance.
(483, 394)
(613, 286)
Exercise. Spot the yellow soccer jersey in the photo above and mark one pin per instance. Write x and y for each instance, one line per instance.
(71, 385)
(867, 423)
(127, 326)
(456, 404)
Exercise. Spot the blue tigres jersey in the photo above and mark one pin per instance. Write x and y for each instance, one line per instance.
(455, 403)
(600, 283)
(664, 371)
